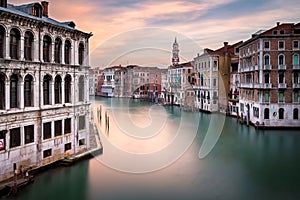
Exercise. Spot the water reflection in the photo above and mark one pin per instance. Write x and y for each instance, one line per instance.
(245, 164)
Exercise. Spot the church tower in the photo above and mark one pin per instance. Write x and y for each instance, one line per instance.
(175, 58)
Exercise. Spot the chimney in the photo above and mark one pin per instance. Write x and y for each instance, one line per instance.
(3, 3)
(278, 23)
(225, 44)
(45, 8)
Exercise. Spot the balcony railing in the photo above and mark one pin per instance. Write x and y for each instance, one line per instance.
(281, 67)
(296, 67)
(263, 85)
(247, 85)
(282, 85)
(267, 67)
(296, 85)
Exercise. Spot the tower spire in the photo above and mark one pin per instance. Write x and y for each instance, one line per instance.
(175, 58)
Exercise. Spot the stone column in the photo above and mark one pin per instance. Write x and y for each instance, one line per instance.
(52, 95)
(36, 50)
(41, 52)
(21, 56)
(62, 91)
(63, 52)
(21, 94)
(74, 54)
(52, 52)
(7, 94)
(7, 47)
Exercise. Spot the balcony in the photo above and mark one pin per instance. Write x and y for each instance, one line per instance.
(267, 67)
(263, 86)
(246, 85)
(281, 85)
(296, 85)
(281, 67)
(296, 67)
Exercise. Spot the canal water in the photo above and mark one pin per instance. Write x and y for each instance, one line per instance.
(152, 152)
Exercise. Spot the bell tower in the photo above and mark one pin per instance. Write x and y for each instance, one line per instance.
(175, 58)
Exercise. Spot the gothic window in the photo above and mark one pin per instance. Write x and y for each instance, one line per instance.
(281, 59)
(81, 54)
(67, 126)
(81, 88)
(2, 39)
(28, 91)
(296, 78)
(281, 113)
(14, 91)
(2, 91)
(57, 50)
(28, 46)
(281, 77)
(47, 130)
(267, 78)
(295, 113)
(67, 52)
(58, 128)
(266, 113)
(68, 89)
(14, 43)
(57, 89)
(47, 89)
(29, 134)
(296, 59)
(46, 48)
(15, 137)
(267, 60)
(82, 122)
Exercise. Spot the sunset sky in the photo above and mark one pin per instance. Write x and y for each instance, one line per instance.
(142, 32)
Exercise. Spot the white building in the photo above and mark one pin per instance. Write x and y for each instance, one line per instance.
(44, 104)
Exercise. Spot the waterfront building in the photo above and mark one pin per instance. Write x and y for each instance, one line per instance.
(44, 104)
(119, 82)
(212, 75)
(164, 84)
(94, 73)
(180, 79)
(269, 75)
(108, 87)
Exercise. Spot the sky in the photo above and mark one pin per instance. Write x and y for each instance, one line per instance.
(142, 32)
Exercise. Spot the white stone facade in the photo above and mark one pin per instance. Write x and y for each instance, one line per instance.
(44, 112)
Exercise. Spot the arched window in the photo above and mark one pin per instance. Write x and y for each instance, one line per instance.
(2, 92)
(68, 80)
(28, 91)
(281, 113)
(81, 88)
(266, 113)
(47, 89)
(57, 89)
(2, 39)
(267, 60)
(295, 59)
(14, 82)
(28, 44)
(57, 50)
(295, 113)
(14, 43)
(67, 52)
(81, 54)
(46, 48)
(281, 59)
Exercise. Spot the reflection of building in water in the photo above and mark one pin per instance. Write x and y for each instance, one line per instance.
(44, 104)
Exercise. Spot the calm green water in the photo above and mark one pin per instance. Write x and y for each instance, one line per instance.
(245, 163)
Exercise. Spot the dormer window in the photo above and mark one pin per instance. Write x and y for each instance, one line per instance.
(281, 32)
(36, 11)
(275, 32)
